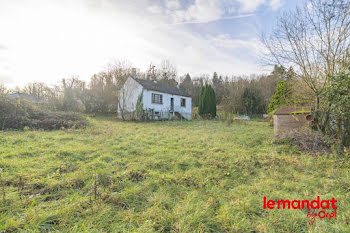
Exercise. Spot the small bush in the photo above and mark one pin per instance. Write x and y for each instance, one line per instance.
(195, 114)
(22, 115)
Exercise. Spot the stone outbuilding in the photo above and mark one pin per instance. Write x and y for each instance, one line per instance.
(291, 118)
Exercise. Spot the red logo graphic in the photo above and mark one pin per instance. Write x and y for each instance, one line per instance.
(302, 204)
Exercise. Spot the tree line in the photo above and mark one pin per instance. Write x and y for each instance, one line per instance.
(235, 94)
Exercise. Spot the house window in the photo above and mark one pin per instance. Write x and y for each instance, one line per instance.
(183, 102)
(157, 99)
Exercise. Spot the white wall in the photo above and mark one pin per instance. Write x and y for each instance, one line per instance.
(165, 107)
(128, 95)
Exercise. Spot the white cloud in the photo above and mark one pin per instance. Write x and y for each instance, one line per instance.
(253, 5)
(173, 4)
(252, 47)
(250, 5)
(275, 4)
(47, 47)
(154, 9)
(200, 11)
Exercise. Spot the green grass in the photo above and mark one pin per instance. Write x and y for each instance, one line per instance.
(199, 176)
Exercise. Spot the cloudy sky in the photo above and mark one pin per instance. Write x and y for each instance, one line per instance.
(46, 40)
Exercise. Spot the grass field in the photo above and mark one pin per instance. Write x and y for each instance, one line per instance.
(199, 176)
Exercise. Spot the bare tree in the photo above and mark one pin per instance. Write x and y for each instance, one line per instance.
(104, 86)
(38, 90)
(165, 72)
(72, 89)
(127, 100)
(314, 40)
(118, 71)
(151, 73)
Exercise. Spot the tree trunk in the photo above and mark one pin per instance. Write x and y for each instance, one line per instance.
(317, 113)
(314, 149)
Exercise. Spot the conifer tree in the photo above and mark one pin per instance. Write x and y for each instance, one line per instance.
(200, 106)
(280, 98)
(207, 102)
(212, 110)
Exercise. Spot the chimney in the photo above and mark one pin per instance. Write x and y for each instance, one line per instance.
(134, 72)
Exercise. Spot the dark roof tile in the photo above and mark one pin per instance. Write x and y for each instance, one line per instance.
(161, 87)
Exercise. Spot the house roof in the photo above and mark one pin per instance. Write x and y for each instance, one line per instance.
(161, 87)
(292, 110)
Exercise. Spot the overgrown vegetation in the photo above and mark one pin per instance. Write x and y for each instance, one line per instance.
(338, 95)
(252, 95)
(139, 108)
(307, 141)
(196, 176)
(22, 114)
(319, 72)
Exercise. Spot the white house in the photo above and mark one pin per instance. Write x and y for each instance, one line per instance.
(159, 101)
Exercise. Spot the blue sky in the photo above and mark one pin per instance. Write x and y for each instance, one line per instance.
(47, 40)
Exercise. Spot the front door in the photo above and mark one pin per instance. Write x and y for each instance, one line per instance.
(172, 104)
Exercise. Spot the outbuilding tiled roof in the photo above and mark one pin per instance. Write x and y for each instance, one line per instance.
(161, 87)
(292, 110)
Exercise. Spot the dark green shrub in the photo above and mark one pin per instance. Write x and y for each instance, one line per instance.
(207, 102)
(252, 101)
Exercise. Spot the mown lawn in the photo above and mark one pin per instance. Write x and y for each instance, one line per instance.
(199, 176)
